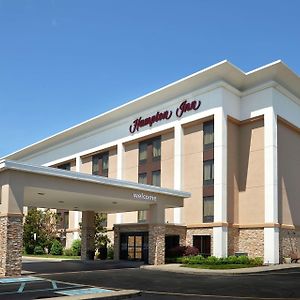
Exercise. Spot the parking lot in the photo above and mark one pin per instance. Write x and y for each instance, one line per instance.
(60, 276)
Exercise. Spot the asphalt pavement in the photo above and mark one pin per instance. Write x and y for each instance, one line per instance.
(165, 285)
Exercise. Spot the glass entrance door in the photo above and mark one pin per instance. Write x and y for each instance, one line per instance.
(134, 246)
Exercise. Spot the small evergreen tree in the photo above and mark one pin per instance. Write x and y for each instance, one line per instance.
(56, 248)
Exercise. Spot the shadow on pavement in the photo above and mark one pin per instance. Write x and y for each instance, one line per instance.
(65, 266)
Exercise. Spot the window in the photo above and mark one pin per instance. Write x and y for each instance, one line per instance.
(203, 243)
(149, 161)
(149, 151)
(143, 178)
(156, 178)
(66, 220)
(143, 152)
(63, 219)
(149, 167)
(156, 149)
(208, 132)
(208, 209)
(100, 164)
(208, 172)
(66, 166)
(142, 216)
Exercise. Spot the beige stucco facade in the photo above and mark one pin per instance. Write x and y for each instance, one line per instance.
(243, 185)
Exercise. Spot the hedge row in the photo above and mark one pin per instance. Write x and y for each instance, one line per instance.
(212, 260)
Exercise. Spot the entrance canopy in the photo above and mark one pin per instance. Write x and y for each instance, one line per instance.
(45, 187)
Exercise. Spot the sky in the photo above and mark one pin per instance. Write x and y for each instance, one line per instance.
(63, 62)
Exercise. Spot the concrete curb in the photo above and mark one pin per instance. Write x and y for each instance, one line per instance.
(176, 268)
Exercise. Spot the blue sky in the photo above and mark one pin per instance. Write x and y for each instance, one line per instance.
(62, 62)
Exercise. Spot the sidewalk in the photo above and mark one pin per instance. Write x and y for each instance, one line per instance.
(176, 268)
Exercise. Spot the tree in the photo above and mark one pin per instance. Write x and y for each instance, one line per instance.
(39, 229)
(101, 238)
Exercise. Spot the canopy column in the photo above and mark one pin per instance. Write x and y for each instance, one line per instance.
(157, 229)
(88, 235)
(11, 226)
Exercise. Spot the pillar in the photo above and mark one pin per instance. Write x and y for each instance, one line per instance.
(77, 214)
(157, 231)
(11, 228)
(88, 235)
(117, 242)
(220, 232)
(120, 159)
(178, 145)
(271, 234)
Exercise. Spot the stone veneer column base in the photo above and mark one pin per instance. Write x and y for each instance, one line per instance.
(251, 241)
(157, 244)
(289, 241)
(87, 234)
(11, 242)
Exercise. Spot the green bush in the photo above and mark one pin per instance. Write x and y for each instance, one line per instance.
(29, 248)
(110, 252)
(68, 252)
(212, 260)
(56, 248)
(244, 260)
(257, 261)
(38, 250)
(76, 247)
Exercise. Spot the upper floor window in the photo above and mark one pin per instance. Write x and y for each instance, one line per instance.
(100, 164)
(208, 172)
(150, 151)
(66, 166)
(208, 134)
(63, 219)
(208, 209)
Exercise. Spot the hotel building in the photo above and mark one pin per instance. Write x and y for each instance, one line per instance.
(229, 139)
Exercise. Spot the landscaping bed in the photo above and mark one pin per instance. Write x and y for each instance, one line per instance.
(214, 263)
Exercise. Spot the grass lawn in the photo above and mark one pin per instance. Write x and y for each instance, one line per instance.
(219, 267)
(52, 256)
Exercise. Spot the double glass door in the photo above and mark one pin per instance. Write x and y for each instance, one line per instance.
(134, 246)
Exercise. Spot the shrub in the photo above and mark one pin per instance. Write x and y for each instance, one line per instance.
(193, 260)
(191, 251)
(257, 261)
(244, 260)
(110, 252)
(56, 248)
(212, 260)
(38, 250)
(68, 252)
(76, 247)
(232, 260)
(29, 248)
(177, 251)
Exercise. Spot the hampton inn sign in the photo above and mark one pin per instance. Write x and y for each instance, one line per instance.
(185, 106)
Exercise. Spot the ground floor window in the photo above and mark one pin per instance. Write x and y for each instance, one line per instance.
(203, 243)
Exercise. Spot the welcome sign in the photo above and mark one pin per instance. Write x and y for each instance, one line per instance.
(184, 107)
